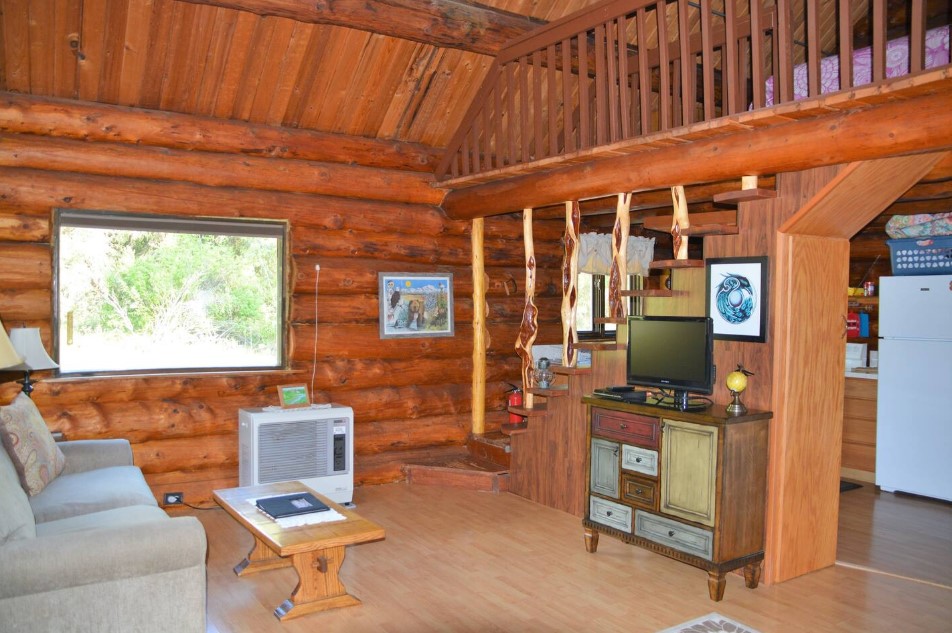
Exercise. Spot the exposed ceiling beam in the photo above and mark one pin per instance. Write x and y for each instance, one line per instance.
(919, 124)
(446, 23)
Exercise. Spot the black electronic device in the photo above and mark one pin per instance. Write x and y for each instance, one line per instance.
(621, 394)
(673, 353)
(290, 505)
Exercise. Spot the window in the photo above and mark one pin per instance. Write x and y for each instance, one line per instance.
(593, 305)
(138, 293)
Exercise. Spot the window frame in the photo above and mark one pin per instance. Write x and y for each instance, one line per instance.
(600, 306)
(172, 223)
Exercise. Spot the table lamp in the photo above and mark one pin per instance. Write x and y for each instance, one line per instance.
(8, 355)
(26, 341)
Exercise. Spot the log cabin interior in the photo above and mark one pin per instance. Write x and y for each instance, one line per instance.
(475, 140)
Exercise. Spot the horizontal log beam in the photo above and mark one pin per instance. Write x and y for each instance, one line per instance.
(918, 124)
(444, 23)
(216, 170)
(24, 114)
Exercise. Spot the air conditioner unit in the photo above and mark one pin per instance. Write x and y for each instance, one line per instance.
(313, 445)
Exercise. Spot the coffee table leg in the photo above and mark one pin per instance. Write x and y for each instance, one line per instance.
(260, 558)
(319, 587)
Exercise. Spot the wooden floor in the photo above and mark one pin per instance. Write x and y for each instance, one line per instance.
(468, 561)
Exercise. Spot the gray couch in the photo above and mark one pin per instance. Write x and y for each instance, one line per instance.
(94, 552)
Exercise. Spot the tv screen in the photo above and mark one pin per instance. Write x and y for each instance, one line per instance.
(675, 353)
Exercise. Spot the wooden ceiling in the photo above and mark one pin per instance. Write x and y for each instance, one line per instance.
(367, 69)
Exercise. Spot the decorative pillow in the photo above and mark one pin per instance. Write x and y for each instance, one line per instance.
(34, 453)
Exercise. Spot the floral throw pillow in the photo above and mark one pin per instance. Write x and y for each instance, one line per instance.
(30, 444)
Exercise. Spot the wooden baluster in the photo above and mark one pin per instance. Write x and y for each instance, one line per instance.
(623, 78)
(568, 109)
(664, 54)
(617, 278)
(879, 40)
(688, 90)
(680, 222)
(783, 44)
(539, 140)
(529, 327)
(500, 144)
(601, 88)
(480, 341)
(643, 76)
(553, 101)
(584, 110)
(757, 57)
(846, 47)
(813, 47)
(707, 59)
(513, 137)
(917, 37)
(525, 116)
(573, 218)
(611, 59)
(732, 97)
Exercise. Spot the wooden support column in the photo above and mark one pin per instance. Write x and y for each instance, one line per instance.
(617, 308)
(679, 222)
(530, 315)
(573, 217)
(480, 310)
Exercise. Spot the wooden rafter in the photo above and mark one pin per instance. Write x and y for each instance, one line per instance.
(445, 23)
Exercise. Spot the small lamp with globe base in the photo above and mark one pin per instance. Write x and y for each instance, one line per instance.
(736, 383)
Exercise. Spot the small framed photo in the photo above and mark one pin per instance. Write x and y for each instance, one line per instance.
(416, 305)
(291, 396)
(737, 298)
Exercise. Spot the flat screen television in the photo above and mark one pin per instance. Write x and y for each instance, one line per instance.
(673, 354)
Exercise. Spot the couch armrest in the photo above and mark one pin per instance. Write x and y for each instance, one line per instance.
(51, 563)
(83, 455)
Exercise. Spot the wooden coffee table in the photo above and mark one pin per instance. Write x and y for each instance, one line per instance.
(315, 551)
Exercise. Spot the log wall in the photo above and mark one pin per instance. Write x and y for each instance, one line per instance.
(412, 398)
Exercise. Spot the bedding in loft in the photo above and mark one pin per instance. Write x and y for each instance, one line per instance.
(897, 64)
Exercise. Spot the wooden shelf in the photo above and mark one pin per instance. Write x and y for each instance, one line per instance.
(550, 392)
(538, 411)
(677, 263)
(594, 346)
(744, 195)
(570, 371)
(648, 292)
(514, 429)
(863, 301)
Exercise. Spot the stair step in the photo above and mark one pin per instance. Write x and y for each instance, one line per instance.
(462, 471)
(493, 446)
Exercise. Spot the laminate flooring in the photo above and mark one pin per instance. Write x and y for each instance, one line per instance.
(466, 561)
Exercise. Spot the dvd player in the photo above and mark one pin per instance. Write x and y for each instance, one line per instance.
(621, 394)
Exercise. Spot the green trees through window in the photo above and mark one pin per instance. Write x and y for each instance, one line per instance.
(143, 292)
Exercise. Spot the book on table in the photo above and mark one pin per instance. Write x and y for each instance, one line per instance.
(290, 505)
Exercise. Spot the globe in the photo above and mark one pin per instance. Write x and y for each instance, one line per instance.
(737, 381)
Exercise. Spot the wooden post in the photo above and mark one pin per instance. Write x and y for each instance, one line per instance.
(530, 315)
(679, 222)
(479, 330)
(573, 218)
(617, 308)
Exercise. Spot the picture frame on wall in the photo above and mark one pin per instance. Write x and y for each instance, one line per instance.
(737, 298)
(293, 396)
(416, 305)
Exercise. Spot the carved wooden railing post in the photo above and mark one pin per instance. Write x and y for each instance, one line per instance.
(679, 222)
(573, 218)
(530, 315)
(619, 271)
(479, 329)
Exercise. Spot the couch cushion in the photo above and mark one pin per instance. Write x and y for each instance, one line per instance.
(16, 517)
(92, 491)
(30, 444)
(114, 518)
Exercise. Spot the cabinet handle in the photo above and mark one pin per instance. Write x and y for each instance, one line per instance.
(623, 426)
(670, 532)
(639, 491)
(637, 460)
(609, 513)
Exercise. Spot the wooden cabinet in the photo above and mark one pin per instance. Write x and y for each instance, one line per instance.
(688, 485)
(859, 430)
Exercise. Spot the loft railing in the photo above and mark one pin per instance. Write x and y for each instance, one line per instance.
(600, 76)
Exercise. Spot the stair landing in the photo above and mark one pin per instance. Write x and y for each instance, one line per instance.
(460, 471)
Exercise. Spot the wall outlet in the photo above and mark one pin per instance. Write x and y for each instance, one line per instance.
(174, 499)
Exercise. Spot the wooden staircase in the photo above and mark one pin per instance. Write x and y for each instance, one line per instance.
(482, 465)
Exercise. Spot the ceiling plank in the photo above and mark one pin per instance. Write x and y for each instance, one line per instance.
(445, 23)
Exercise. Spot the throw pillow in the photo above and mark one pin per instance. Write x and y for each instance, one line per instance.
(34, 453)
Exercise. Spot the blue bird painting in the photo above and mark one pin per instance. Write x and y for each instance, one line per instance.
(735, 298)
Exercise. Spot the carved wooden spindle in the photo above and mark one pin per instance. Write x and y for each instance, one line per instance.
(530, 315)
(573, 218)
(480, 310)
(617, 309)
(680, 222)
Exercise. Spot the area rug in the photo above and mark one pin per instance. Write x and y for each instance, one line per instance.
(711, 623)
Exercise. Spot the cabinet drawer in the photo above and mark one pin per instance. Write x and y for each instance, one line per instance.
(627, 427)
(610, 513)
(640, 460)
(639, 491)
(686, 538)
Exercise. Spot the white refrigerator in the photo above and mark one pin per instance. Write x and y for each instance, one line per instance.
(914, 412)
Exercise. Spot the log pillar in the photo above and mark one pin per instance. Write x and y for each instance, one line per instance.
(679, 222)
(480, 310)
(573, 218)
(617, 308)
(530, 315)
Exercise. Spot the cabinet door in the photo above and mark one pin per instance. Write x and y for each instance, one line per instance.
(605, 468)
(689, 470)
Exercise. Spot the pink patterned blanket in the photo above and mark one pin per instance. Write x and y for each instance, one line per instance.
(897, 64)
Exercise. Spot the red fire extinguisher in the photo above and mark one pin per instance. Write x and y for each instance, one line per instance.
(515, 400)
